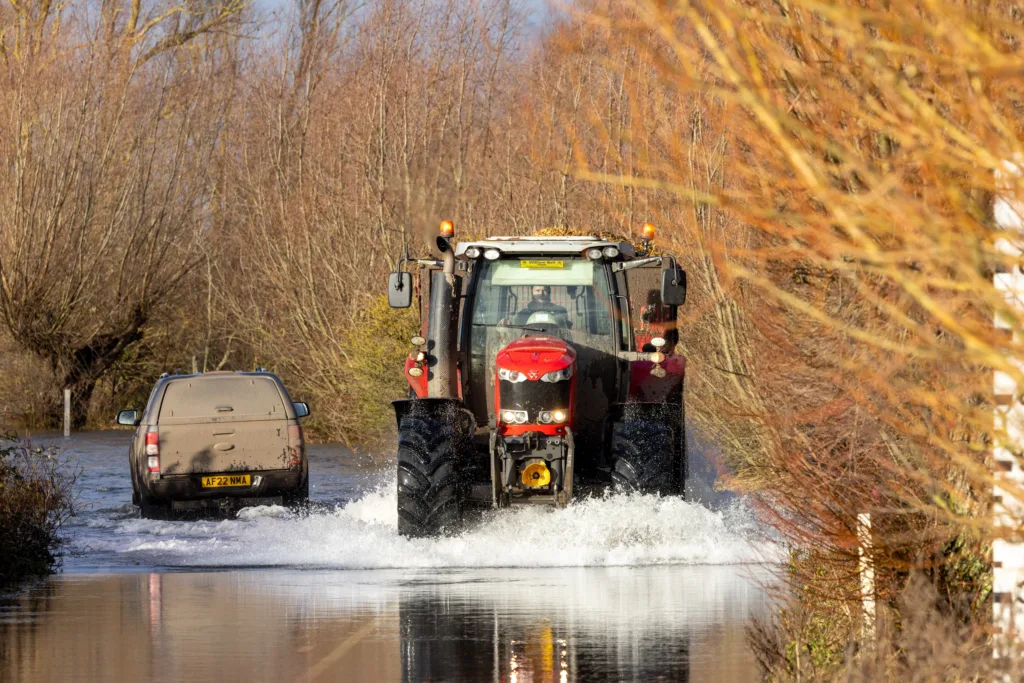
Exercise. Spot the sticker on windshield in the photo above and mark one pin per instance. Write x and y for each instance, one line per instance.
(541, 264)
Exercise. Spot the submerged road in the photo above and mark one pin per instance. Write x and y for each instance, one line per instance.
(616, 589)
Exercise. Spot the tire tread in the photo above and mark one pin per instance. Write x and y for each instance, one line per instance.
(431, 492)
(644, 458)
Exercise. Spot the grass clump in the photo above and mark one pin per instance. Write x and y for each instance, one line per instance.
(35, 501)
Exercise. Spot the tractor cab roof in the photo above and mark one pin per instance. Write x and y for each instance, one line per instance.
(515, 246)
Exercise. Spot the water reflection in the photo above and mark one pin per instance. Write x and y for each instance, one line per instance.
(675, 624)
(551, 625)
(440, 644)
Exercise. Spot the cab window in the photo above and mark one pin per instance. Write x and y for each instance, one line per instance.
(566, 297)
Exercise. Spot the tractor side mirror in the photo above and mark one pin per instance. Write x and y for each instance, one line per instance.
(400, 290)
(301, 408)
(673, 286)
(128, 418)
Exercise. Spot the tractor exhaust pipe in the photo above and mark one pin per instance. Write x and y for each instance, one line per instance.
(442, 328)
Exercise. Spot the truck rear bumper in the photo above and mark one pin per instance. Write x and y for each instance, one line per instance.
(267, 487)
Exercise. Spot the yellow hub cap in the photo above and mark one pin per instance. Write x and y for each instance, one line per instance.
(536, 475)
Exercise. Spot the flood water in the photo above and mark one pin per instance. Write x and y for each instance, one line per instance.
(611, 589)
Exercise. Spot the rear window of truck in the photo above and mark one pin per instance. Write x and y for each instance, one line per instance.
(232, 397)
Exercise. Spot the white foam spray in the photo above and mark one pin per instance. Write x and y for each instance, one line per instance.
(362, 534)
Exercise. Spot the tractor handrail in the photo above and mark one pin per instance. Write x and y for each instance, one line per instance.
(433, 262)
(629, 319)
(634, 356)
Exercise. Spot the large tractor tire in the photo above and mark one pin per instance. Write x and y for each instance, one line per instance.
(431, 468)
(648, 457)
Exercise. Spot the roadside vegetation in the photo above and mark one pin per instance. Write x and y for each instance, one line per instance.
(202, 188)
(842, 162)
(35, 500)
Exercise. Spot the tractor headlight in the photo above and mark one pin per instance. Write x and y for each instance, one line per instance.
(473, 252)
(610, 252)
(514, 417)
(553, 416)
(558, 375)
(511, 375)
(492, 254)
(594, 254)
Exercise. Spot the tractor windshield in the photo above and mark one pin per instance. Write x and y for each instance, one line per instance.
(564, 297)
(568, 297)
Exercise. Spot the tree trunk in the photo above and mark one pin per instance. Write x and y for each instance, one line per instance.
(86, 365)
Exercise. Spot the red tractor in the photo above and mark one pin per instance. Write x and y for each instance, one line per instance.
(542, 373)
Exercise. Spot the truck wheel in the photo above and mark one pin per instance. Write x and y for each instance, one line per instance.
(135, 483)
(154, 510)
(644, 458)
(299, 497)
(135, 489)
(431, 493)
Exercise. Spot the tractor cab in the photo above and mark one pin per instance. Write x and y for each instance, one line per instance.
(536, 350)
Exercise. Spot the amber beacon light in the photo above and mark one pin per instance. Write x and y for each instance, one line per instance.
(648, 232)
(447, 229)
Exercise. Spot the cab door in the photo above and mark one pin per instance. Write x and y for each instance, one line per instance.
(646, 317)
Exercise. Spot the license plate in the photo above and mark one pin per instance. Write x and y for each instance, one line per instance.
(541, 264)
(222, 480)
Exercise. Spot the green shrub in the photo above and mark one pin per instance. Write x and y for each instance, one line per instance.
(35, 500)
(376, 346)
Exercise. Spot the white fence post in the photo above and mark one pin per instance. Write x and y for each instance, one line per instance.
(867, 577)
(67, 413)
(1008, 424)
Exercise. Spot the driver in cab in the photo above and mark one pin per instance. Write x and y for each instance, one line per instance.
(542, 310)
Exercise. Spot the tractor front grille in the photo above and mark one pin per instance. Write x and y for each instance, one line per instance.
(534, 397)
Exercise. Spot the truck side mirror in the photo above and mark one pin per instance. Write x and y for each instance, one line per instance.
(400, 290)
(301, 408)
(128, 418)
(673, 286)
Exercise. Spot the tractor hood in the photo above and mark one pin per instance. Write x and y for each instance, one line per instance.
(536, 356)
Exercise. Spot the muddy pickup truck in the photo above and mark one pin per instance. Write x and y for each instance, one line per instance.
(216, 442)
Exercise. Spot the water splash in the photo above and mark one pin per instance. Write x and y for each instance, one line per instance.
(362, 534)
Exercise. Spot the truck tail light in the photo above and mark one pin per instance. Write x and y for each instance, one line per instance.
(153, 451)
(295, 443)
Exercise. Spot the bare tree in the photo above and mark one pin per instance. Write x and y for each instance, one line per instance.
(360, 132)
(103, 205)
